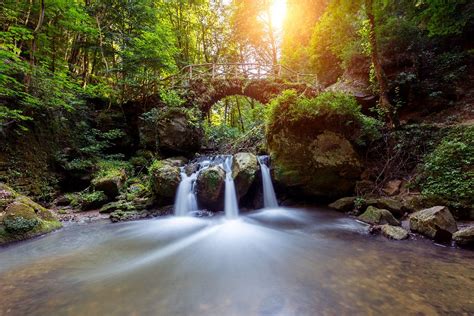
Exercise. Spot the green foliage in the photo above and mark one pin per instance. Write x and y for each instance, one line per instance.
(155, 165)
(107, 169)
(20, 225)
(449, 170)
(445, 17)
(328, 108)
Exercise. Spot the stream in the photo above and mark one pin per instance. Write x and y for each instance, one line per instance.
(278, 261)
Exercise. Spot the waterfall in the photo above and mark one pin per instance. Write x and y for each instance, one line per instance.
(231, 206)
(185, 200)
(186, 197)
(269, 197)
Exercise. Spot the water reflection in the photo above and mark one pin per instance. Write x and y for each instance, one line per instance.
(273, 262)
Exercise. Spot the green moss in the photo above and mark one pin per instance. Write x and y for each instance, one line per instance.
(155, 165)
(111, 169)
(448, 171)
(19, 224)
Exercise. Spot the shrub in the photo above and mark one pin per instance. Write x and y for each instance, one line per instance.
(20, 225)
(330, 110)
(448, 171)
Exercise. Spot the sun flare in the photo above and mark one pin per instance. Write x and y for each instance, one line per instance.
(278, 13)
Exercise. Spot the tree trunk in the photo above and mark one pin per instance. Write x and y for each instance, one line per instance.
(379, 72)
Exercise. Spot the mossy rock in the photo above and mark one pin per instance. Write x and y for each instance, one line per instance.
(376, 216)
(165, 178)
(244, 171)
(25, 219)
(322, 165)
(93, 200)
(345, 204)
(210, 185)
(110, 177)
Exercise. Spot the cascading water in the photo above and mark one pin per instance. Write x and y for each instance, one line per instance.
(231, 206)
(269, 197)
(186, 201)
(186, 197)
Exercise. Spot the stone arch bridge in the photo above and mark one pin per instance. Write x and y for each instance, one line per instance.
(205, 84)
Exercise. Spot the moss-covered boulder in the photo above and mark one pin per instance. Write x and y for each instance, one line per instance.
(345, 204)
(210, 187)
(110, 177)
(437, 223)
(244, 171)
(312, 143)
(21, 218)
(393, 205)
(92, 200)
(376, 216)
(165, 177)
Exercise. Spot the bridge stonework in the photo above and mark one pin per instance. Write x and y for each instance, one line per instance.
(203, 85)
(205, 93)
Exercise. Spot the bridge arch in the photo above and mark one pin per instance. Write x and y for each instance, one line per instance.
(203, 85)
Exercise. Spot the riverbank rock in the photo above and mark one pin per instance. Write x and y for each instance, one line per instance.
(437, 223)
(210, 186)
(244, 171)
(376, 216)
(394, 232)
(345, 204)
(326, 165)
(464, 237)
(165, 178)
(394, 206)
(21, 218)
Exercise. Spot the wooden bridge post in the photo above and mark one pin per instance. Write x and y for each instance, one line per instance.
(191, 72)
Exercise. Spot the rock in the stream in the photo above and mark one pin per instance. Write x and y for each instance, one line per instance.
(437, 223)
(21, 218)
(165, 178)
(394, 232)
(244, 171)
(376, 216)
(394, 206)
(345, 204)
(326, 165)
(465, 236)
(210, 186)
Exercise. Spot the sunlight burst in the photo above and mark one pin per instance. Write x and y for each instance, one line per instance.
(278, 13)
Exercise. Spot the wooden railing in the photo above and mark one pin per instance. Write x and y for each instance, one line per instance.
(241, 71)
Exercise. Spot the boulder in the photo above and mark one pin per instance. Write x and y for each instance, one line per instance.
(21, 218)
(210, 186)
(326, 165)
(171, 131)
(437, 223)
(465, 236)
(244, 171)
(376, 216)
(345, 204)
(394, 206)
(109, 178)
(394, 232)
(92, 200)
(165, 179)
